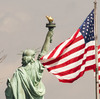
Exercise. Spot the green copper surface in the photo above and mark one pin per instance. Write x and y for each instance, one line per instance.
(26, 82)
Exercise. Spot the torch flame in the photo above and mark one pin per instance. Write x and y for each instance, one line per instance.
(50, 19)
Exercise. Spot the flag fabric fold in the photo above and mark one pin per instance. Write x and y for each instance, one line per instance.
(73, 57)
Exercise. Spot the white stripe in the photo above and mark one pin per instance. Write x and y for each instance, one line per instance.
(98, 48)
(73, 65)
(99, 65)
(79, 43)
(45, 58)
(60, 48)
(70, 48)
(91, 43)
(67, 49)
(71, 56)
(73, 75)
(99, 72)
(79, 34)
(66, 58)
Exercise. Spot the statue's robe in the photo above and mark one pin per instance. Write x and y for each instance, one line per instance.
(26, 82)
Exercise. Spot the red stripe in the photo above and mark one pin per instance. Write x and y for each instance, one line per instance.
(65, 55)
(68, 53)
(98, 59)
(91, 67)
(99, 47)
(98, 52)
(75, 78)
(71, 60)
(73, 70)
(72, 80)
(77, 39)
(69, 43)
(53, 52)
(67, 62)
(99, 67)
(99, 77)
(98, 62)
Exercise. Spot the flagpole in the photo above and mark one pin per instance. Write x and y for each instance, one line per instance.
(96, 50)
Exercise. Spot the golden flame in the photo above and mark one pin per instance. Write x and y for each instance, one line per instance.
(50, 19)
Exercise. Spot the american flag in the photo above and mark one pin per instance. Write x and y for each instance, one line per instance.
(99, 65)
(70, 59)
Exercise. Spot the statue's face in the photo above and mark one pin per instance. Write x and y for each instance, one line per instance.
(27, 56)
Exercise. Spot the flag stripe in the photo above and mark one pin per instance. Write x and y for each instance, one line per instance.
(71, 50)
(78, 76)
(89, 49)
(69, 60)
(99, 65)
(69, 71)
(69, 76)
(59, 49)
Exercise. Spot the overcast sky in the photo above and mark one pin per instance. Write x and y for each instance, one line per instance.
(22, 26)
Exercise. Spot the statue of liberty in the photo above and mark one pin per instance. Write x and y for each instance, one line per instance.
(26, 82)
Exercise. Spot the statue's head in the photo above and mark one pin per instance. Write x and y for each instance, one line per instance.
(28, 56)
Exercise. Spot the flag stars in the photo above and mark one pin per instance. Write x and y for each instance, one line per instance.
(87, 19)
(87, 28)
(91, 21)
(83, 27)
(87, 25)
(92, 30)
(93, 37)
(91, 17)
(91, 27)
(83, 31)
(91, 14)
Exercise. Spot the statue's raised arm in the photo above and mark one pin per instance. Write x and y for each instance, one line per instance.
(26, 82)
(49, 35)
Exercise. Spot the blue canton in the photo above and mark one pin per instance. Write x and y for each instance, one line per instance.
(87, 28)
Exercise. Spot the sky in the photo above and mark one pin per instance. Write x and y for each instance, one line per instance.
(22, 26)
